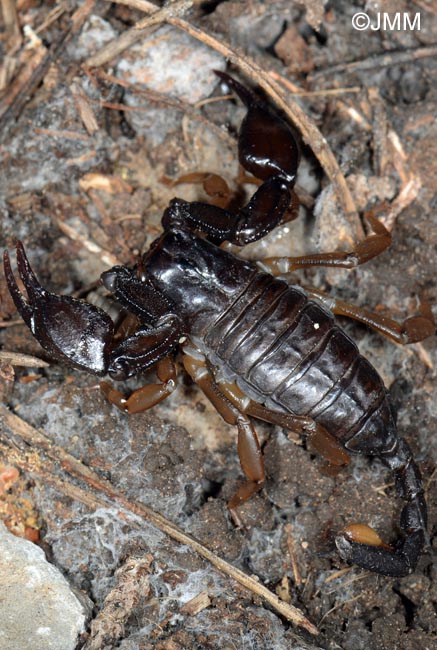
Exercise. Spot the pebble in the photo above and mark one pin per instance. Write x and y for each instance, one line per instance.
(172, 64)
(38, 610)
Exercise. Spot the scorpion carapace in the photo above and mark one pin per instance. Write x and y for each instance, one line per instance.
(256, 346)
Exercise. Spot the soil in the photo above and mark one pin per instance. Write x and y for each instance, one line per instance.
(85, 193)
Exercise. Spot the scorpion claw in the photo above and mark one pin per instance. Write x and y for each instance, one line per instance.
(71, 330)
(18, 298)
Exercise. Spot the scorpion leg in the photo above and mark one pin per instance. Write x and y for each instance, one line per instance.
(249, 449)
(327, 445)
(221, 195)
(372, 246)
(147, 396)
(411, 330)
(416, 328)
(214, 185)
(359, 543)
(268, 148)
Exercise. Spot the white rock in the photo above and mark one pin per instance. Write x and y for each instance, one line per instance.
(38, 610)
(173, 64)
(95, 33)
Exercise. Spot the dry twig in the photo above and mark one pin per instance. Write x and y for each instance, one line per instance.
(11, 26)
(19, 437)
(144, 28)
(21, 359)
(378, 61)
(292, 553)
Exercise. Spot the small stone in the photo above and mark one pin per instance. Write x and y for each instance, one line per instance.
(172, 64)
(95, 33)
(38, 610)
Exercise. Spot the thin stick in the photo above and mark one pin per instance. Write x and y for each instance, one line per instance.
(142, 29)
(11, 323)
(297, 91)
(21, 359)
(292, 554)
(10, 18)
(33, 462)
(378, 61)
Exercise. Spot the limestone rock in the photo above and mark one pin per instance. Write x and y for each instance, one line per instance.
(38, 610)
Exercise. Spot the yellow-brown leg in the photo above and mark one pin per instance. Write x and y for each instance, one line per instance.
(147, 396)
(249, 450)
(320, 440)
(411, 330)
(214, 185)
(372, 246)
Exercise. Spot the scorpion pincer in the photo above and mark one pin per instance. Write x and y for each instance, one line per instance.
(256, 346)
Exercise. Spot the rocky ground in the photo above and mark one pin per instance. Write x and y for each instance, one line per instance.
(89, 151)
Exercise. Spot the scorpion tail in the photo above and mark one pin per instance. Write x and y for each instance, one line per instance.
(267, 145)
(359, 544)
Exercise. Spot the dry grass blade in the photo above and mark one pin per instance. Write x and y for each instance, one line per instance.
(100, 491)
(11, 25)
(12, 101)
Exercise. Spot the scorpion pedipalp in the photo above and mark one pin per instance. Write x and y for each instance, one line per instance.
(71, 330)
(82, 335)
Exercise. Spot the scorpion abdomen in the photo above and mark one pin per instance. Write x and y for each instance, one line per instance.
(289, 350)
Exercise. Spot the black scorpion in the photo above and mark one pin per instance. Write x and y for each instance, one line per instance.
(256, 346)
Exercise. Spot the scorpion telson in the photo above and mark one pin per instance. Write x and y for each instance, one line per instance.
(256, 346)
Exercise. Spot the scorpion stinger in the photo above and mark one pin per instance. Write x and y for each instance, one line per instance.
(357, 543)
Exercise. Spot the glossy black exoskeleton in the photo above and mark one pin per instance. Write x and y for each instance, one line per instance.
(255, 345)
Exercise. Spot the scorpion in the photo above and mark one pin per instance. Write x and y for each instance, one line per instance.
(258, 347)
